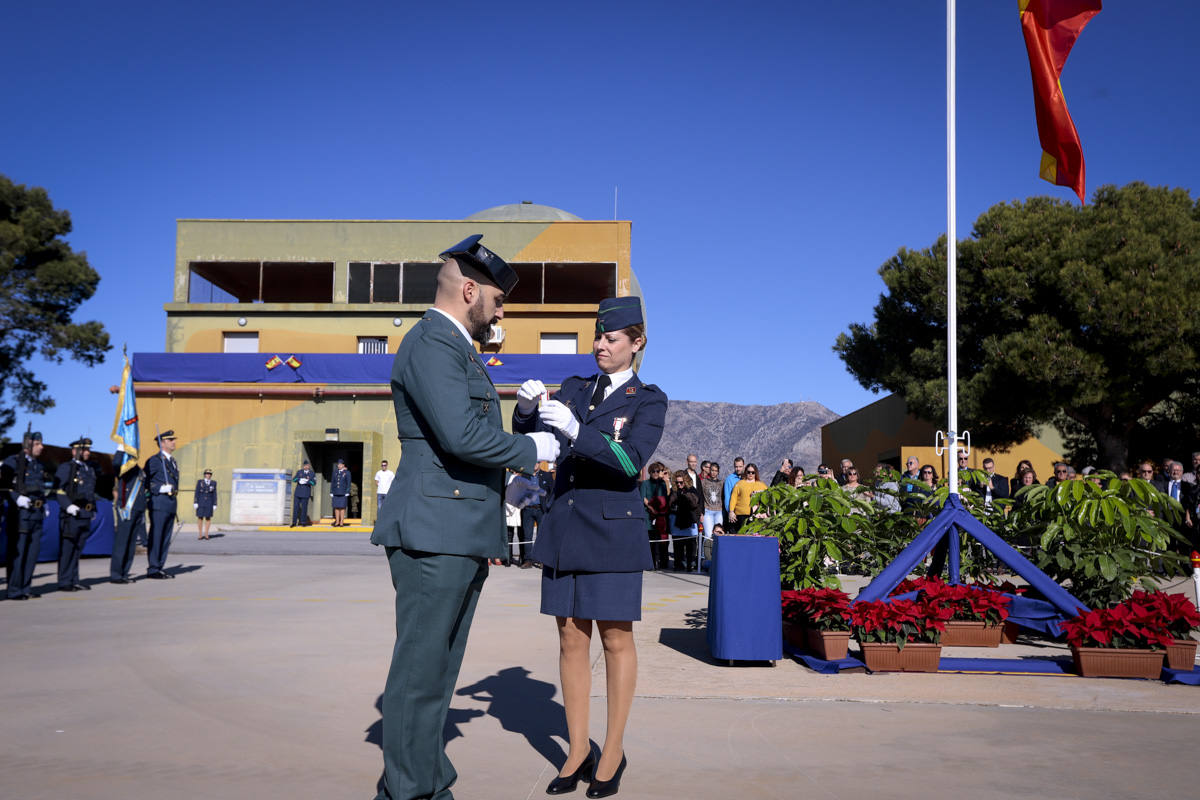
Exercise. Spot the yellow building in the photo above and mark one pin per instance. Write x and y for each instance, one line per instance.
(280, 332)
(885, 431)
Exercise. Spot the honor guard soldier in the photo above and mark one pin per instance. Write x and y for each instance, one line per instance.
(26, 479)
(339, 488)
(76, 482)
(205, 502)
(162, 486)
(304, 479)
(129, 504)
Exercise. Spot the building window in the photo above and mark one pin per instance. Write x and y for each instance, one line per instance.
(372, 345)
(373, 283)
(529, 284)
(559, 344)
(419, 282)
(578, 283)
(260, 282)
(240, 342)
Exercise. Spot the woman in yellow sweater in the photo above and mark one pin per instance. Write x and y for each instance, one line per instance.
(739, 501)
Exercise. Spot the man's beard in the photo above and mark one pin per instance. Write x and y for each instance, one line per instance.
(478, 325)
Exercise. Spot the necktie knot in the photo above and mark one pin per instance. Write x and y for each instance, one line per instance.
(602, 384)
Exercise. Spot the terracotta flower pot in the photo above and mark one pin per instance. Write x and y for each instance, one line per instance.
(1112, 662)
(1182, 654)
(828, 645)
(888, 657)
(964, 633)
(1011, 630)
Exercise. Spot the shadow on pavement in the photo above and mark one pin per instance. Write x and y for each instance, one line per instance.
(525, 706)
(691, 642)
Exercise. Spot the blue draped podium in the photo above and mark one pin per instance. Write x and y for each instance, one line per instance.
(745, 617)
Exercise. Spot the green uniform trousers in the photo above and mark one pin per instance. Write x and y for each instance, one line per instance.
(436, 596)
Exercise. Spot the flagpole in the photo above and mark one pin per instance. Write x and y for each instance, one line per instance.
(951, 253)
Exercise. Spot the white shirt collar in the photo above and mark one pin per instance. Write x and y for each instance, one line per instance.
(461, 328)
(617, 379)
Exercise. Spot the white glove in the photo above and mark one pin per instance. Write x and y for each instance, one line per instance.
(556, 415)
(304, 480)
(196, 506)
(528, 395)
(73, 509)
(547, 445)
(23, 501)
(164, 489)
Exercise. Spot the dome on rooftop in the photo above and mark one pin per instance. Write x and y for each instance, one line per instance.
(522, 212)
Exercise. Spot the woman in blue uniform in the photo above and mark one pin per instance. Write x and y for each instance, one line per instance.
(339, 491)
(592, 541)
(205, 502)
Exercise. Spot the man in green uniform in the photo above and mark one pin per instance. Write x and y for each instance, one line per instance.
(444, 517)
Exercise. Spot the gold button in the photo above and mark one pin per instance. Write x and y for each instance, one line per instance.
(570, 502)
(591, 408)
(456, 492)
(629, 513)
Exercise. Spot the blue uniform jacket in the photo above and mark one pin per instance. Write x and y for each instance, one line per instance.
(76, 482)
(339, 484)
(206, 497)
(596, 522)
(159, 471)
(304, 490)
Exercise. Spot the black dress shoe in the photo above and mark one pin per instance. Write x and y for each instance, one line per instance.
(121, 580)
(160, 576)
(567, 783)
(609, 787)
(82, 587)
(68, 588)
(19, 597)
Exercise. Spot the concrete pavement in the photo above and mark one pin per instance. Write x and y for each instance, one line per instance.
(257, 676)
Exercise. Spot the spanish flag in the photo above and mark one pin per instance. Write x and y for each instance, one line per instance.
(1050, 28)
(273, 362)
(494, 362)
(293, 362)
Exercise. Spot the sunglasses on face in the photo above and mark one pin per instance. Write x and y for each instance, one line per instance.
(751, 472)
(926, 472)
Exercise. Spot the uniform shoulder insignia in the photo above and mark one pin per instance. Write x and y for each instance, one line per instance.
(650, 387)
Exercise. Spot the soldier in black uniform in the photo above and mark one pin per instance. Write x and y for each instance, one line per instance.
(26, 477)
(76, 484)
(129, 504)
(304, 479)
(162, 486)
(205, 503)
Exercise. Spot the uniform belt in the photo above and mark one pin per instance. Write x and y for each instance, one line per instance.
(36, 502)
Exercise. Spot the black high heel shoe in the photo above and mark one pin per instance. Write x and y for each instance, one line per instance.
(564, 784)
(609, 787)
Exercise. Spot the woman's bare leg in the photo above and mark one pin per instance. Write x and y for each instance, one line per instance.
(575, 674)
(620, 665)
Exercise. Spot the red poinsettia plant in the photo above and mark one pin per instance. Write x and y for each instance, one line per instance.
(969, 603)
(816, 607)
(1133, 624)
(1178, 613)
(899, 621)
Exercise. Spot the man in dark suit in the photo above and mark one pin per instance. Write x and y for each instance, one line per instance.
(443, 518)
(304, 479)
(162, 487)
(129, 503)
(24, 477)
(995, 487)
(75, 481)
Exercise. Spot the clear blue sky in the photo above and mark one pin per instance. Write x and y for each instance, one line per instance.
(771, 155)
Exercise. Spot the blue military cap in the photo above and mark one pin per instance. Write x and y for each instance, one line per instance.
(341, 461)
(32, 436)
(165, 435)
(617, 313)
(470, 253)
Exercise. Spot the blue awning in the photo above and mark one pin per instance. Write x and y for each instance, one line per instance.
(337, 368)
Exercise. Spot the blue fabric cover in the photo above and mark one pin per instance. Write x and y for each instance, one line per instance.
(1190, 678)
(336, 368)
(1021, 666)
(745, 617)
(953, 514)
(99, 541)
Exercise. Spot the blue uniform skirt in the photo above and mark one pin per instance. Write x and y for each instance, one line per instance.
(607, 596)
(341, 500)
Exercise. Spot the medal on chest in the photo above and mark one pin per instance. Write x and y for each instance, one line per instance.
(618, 426)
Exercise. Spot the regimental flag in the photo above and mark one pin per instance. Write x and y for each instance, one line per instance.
(273, 362)
(293, 362)
(494, 362)
(125, 426)
(1050, 28)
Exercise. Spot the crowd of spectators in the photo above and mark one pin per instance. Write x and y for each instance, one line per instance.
(692, 504)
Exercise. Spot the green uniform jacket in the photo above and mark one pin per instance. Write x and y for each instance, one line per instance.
(449, 485)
